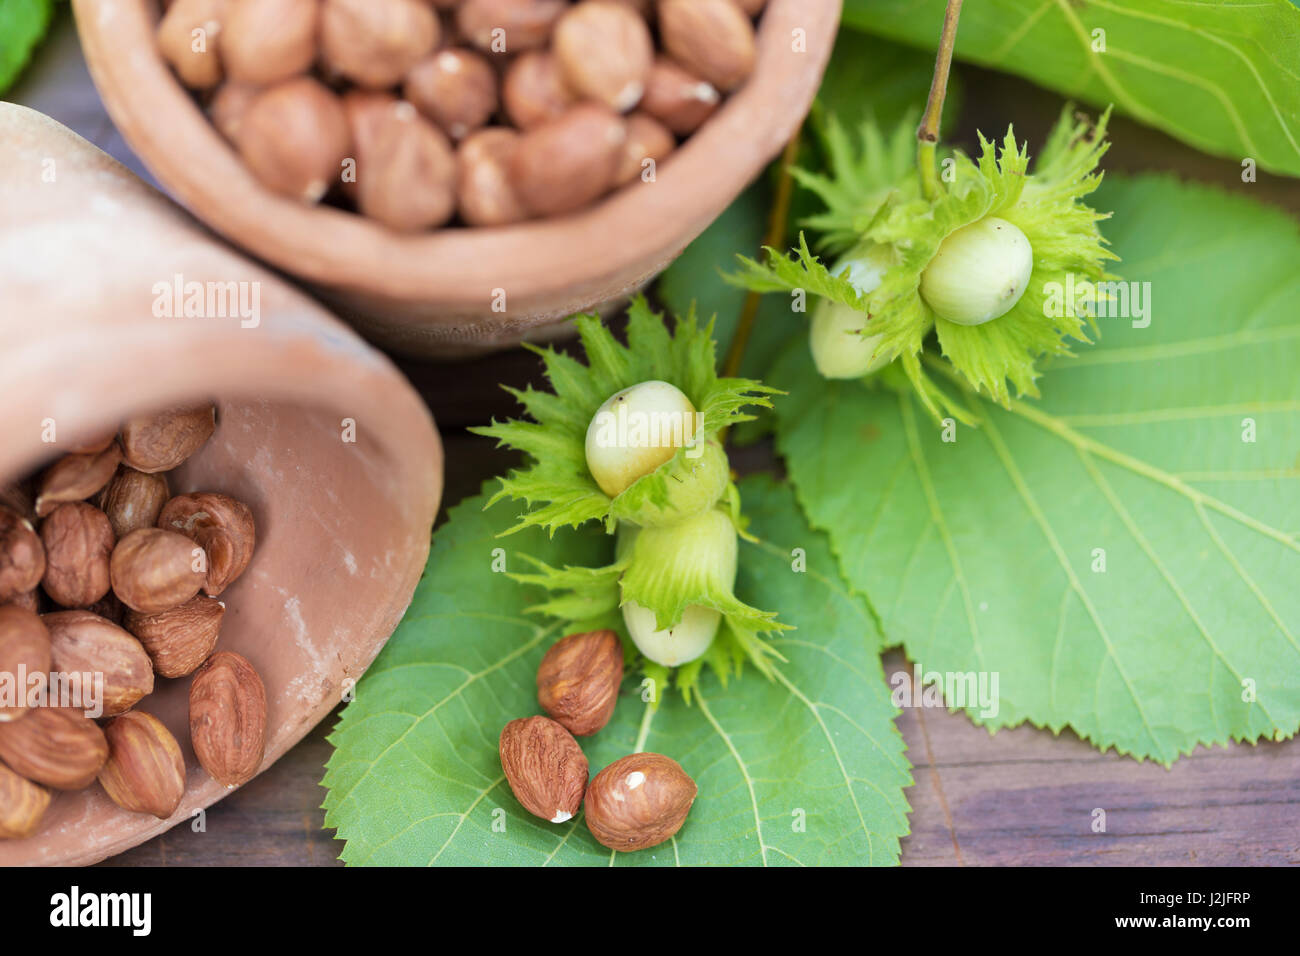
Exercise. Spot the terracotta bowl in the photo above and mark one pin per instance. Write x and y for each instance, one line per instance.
(343, 527)
(432, 294)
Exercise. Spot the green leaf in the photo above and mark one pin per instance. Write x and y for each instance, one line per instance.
(805, 769)
(984, 553)
(1223, 77)
(22, 25)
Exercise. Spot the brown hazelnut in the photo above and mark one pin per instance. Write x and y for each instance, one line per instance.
(220, 525)
(28, 600)
(508, 26)
(534, 91)
(85, 643)
(484, 194)
(639, 801)
(24, 649)
(228, 718)
(294, 137)
(566, 163)
(153, 570)
(544, 766)
(20, 498)
(713, 38)
(266, 41)
(94, 442)
(134, 499)
(752, 8)
(406, 168)
(188, 40)
(22, 556)
(22, 805)
(228, 106)
(180, 639)
(145, 771)
(375, 43)
(164, 440)
(605, 52)
(76, 478)
(647, 139)
(78, 540)
(456, 89)
(678, 98)
(56, 746)
(578, 680)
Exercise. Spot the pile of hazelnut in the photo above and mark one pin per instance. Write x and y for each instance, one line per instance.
(415, 112)
(636, 802)
(106, 581)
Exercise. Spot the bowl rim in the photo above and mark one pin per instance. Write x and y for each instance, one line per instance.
(457, 267)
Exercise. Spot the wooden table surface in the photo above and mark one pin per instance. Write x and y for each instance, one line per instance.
(1019, 797)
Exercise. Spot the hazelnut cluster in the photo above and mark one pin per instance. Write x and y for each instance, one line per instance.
(105, 574)
(418, 112)
(636, 802)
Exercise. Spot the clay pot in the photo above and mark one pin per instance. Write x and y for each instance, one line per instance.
(433, 294)
(343, 527)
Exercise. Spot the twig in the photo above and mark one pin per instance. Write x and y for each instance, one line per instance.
(927, 134)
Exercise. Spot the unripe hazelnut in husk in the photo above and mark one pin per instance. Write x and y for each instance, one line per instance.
(635, 431)
(979, 273)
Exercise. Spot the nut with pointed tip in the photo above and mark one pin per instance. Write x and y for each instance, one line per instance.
(484, 193)
(222, 526)
(188, 40)
(678, 98)
(406, 168)
(293, 137)
(76, 478)
(133, 500)
(153, 570)
(22, 556)
(228, 718)
(375, 43)
(578, 680)
(266, 41)
(85, 643)
(534, 91)
(24, 650)
(605, 52)
(712, 38)
(180, 639)
(545, 767)
(164, 440)
(457, 89)
(566, 163)
(648, 142)
(22, 804)
(55, 746)
(639, 801)
(145, 772)
(78, 540)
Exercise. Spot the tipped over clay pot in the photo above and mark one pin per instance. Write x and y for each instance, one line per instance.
(87, 252)
(433, 294)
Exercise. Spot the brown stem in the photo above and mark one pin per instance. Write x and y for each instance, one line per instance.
(777, 223)
(927, 134)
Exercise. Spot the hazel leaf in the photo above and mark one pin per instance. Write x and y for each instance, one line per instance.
(1123, 552)
(1223, 77)
(805, 769)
